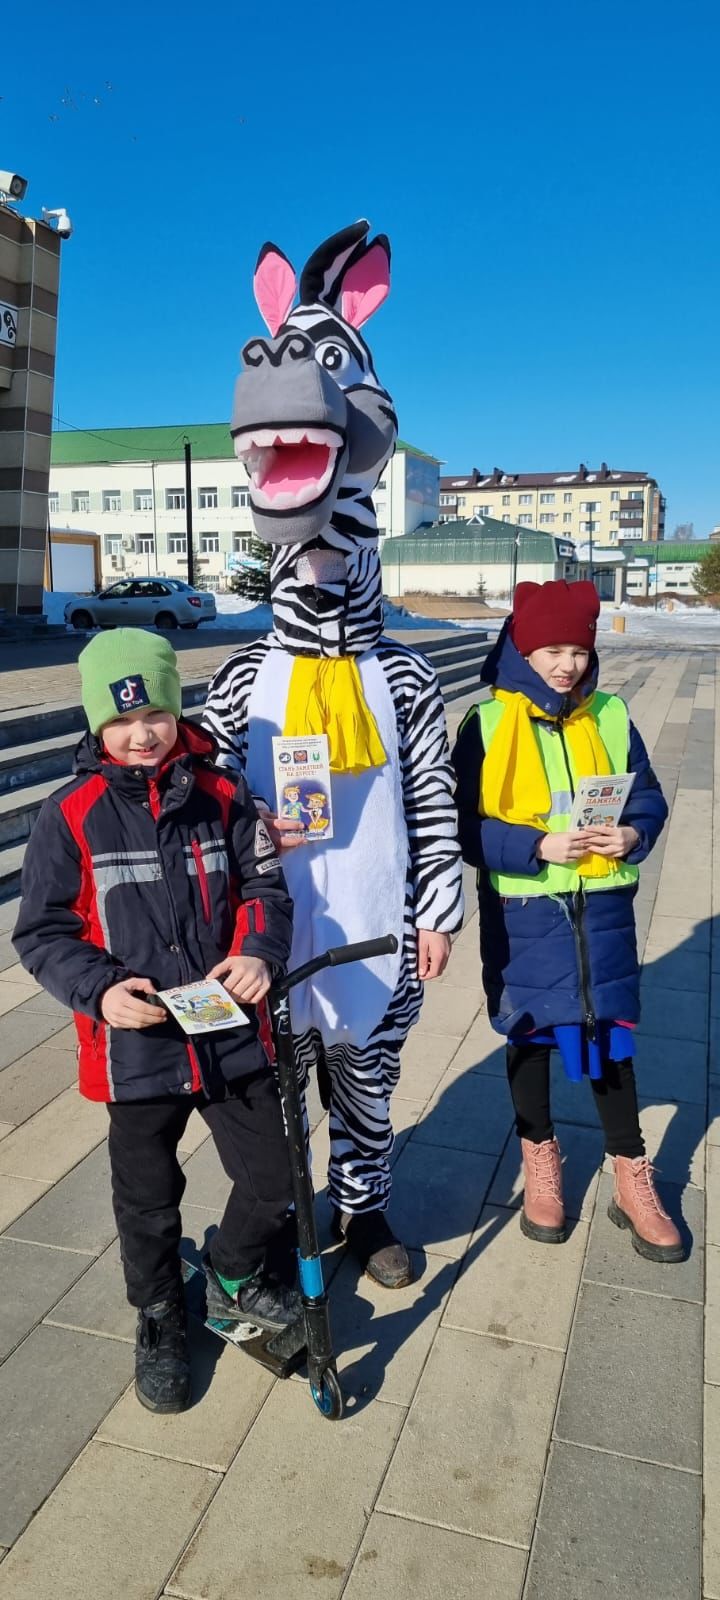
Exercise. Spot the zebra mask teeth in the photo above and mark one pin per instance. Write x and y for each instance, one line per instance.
(288, 467)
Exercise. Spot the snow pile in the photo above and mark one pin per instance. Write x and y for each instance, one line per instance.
(54, 605)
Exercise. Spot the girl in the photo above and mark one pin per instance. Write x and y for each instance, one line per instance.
(557, 927)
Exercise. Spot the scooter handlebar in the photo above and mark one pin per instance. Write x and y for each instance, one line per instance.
(340, 955)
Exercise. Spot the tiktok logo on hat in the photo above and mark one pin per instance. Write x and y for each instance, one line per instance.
(129, 694)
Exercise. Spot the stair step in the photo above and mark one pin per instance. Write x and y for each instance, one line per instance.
(11, 860)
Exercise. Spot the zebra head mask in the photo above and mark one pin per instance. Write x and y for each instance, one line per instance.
(315, 429)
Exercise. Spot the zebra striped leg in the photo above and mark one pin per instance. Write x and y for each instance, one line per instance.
(361, 1135)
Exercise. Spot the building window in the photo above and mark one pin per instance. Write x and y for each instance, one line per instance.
(461, 501)
(383, 483)
(567, 499)
(177, 544)
(506, 500)
(525, 521)
(525, 499)
(547, 516)
(207, 499)
(482, 511)
(209, 544)
(174, 499)
(113, 545)
(635, 494)
(590, 506)
(145, 544)
(80, 500)
(614, 494)
(142, 500)
(240, 498)
(111, 500)
(241, 543)
(53, 503)
(547, 499)
(567, 516)
(614, 516)
(507, 517)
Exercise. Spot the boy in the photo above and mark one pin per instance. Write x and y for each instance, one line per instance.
(148, 870)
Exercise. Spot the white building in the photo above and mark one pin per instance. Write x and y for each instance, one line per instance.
(128, 486)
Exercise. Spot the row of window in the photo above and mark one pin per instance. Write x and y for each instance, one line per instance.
(547, 498)
(207, 500)
(143, 544)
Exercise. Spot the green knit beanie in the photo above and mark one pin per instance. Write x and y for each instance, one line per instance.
(126, 669)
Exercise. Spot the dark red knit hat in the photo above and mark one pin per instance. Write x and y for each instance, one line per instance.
(554, 613)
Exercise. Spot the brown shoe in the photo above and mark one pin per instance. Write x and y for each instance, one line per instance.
(636, 1205)
(543, 1213)
(372, 1241)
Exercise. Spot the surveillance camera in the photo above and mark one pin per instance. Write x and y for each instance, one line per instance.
(13, 185)
(61, 219)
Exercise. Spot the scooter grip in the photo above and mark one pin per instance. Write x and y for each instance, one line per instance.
(342, 954)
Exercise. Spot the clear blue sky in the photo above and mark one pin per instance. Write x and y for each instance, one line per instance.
(547, 172)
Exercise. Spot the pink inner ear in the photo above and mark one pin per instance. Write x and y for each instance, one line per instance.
(365, 286)
(275, 285)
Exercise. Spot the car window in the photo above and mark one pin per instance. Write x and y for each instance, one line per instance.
(125, 587)
(137, 589)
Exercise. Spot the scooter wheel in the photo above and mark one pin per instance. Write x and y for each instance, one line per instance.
(328, 1396)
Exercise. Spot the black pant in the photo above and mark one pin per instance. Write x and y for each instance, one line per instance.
(528, 1069)
(148, 1181)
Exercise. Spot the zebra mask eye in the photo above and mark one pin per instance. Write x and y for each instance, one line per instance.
(333, 357)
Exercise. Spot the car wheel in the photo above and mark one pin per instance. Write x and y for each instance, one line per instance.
(82, 620)
(188, 627)
(165, 619)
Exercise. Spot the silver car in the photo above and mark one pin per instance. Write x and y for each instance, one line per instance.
(140, 602)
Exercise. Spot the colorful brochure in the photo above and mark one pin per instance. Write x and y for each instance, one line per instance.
(203, 1007)
(600, 802)
(302, 784)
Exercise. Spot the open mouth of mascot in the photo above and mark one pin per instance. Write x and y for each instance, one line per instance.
(289, 467)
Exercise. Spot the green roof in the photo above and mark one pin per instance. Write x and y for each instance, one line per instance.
(487, 540)
(210, 442)
(670, 550)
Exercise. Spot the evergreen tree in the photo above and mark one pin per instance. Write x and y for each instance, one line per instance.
(706, 578)
(252, 577)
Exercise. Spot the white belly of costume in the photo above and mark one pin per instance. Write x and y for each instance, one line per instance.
(351, 887)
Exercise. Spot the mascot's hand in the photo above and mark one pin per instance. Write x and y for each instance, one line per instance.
(433, 953)
(286, 832)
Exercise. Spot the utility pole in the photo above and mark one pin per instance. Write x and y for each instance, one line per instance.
(516, 547)
(188, 512)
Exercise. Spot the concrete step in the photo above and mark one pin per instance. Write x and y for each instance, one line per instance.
(18, 728)
(11, 860)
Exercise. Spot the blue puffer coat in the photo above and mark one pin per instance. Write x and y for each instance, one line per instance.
(570, 958)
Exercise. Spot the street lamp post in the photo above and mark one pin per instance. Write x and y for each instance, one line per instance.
(516, 547)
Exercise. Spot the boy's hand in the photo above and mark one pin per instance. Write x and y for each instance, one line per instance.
(563, 848)
(285, 832)
(122, 1007)
(616, 842)
(245, 977)
(433, 953)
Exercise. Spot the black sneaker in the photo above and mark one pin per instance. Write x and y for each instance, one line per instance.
(263, 1300)
(162, 1367)
(369, 1235)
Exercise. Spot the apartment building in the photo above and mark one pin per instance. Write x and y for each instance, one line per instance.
(604, 506)
(128, 486)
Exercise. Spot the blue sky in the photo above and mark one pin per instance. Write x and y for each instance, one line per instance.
(547, 173)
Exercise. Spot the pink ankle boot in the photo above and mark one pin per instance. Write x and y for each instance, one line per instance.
(543, 1214)
(636, 1205)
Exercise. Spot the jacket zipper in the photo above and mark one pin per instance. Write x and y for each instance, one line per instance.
(577, 920)
(196, 848)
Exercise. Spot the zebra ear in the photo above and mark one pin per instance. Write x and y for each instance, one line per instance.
(322, 275)
(275, 285)
(366, 283)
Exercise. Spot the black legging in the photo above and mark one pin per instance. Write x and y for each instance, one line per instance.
(528, 1069)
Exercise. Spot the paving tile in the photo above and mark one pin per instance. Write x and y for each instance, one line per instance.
(98, 1302)
(8, 957)
(382, 1341)
(16, 1196)
(671, 1069)
(712, 1317)
(33, 1279)
(404, 1114)
(682, 969)
(675, 1139)
(444, 1470)
(682, 935)
(582, 1153)
(62, 1038)
(20, 1034)
(54, 1391)
(631, 1377)
(228, 1390)
(712, 1183)
(77, 1213)
(411, 1561)
(310, 1502)
(437, 1197)
(22, 979)
(615, 1528)
(424, 1060)
(55, 1139)
(33, 1081)
(146, 1509)
(450, 1008)
(6, 1128)
(469, 1111)
(611, 1258)
(207, 1183)
(44, 1005)
(482, 1050)
(711, 1586)
(512, 1287)
(9, 914)
(673, 1013)
(713, 1128)
(195, 1134)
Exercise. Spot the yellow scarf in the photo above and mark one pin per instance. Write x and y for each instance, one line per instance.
(326, 696)
(514, 785)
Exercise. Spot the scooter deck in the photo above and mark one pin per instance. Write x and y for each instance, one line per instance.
(281, 1353)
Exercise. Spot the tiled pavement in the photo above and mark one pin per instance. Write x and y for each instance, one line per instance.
(521, 1422)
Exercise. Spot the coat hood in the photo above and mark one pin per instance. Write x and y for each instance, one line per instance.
(505, 668)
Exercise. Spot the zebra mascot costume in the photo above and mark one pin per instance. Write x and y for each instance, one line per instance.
(315, 429)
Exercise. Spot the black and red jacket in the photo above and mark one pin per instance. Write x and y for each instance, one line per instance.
(156, 875)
